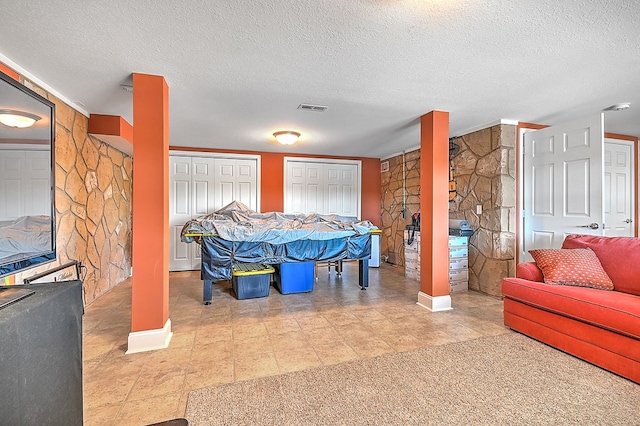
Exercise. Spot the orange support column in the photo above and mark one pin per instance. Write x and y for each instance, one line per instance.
(434, 211)
(150, 323)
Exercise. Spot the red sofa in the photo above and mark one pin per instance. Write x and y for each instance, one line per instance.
(598, 326)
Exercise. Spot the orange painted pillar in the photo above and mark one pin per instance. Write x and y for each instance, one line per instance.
(434, 211)
(150, 323)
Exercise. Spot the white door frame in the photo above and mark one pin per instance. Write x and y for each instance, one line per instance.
(633, 177)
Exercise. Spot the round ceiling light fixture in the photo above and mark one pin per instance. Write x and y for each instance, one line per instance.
(17, 119)
(286, 137)
(618, 107)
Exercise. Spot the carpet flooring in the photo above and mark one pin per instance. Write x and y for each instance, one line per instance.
(502, 380)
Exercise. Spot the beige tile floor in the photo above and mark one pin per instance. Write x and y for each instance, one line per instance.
(233, 340)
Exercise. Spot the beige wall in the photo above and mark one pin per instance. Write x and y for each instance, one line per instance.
(93, 203)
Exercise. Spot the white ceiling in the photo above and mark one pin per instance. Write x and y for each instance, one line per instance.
(238, 69)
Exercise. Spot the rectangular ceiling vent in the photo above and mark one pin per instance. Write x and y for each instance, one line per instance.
(309, 107)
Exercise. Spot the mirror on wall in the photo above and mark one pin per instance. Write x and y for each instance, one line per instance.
(27, 211)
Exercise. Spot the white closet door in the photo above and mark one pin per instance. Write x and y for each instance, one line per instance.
(11, 196)
(315, 187)
(26, 189)
(306, 187)
(202, 197)
(202, 185)
(248, 183)
(342, 190)
(322, 186)
(295, 191)
(180, 205)
(235, 180)
(38, 182)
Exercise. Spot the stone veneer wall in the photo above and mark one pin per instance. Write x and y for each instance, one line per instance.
(393, 224)
(485, 174)
(93, 203)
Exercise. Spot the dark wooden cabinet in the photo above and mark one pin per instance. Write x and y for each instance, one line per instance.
(41, 357)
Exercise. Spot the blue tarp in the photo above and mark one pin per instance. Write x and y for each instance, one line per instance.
(218, 254)
(236, 222)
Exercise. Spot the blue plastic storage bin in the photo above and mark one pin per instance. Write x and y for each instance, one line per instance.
(251, 280)
(298, 277)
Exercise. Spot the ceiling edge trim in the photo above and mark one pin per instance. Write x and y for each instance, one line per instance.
(464, 132)
(11, 64)
(487, 125)
(395, 154)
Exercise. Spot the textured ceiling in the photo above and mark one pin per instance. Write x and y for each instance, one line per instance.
(238, 69)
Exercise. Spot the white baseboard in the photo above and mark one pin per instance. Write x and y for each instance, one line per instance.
(434, 304)
(150, 340)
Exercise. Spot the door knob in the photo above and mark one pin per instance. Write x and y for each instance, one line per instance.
(628, 221)
(591, 226)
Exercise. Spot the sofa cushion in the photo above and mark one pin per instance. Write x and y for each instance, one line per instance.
(529, 271)
(612, 310)
(619, 256)
(579, 267)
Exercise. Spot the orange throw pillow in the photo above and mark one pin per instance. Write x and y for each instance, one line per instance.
(578, 267)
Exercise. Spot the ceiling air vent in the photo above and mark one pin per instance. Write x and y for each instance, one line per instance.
(309, 107)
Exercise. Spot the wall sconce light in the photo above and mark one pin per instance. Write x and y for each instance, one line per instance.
(19, 119)
(286, 137)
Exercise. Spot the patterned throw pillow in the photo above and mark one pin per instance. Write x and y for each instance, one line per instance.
(579, 267)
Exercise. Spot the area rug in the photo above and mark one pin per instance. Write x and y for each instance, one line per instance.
(502, 380)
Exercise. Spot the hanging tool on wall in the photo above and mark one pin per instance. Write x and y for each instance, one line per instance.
(415, 226)
(454, 148)
(404, 186)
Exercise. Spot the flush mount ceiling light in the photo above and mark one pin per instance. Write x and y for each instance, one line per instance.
(19, 119)
(618, 107)
(286, 137)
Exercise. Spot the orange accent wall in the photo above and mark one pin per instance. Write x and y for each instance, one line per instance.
(371, 191)
(113, 125)
(434, 203)
(272, 180)
(8, 71)
(150, 283)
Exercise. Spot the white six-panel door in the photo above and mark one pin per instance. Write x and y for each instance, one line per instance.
(304, 185)
(199, 186)
(618, 188)
(343, 190)
(235, 180)
(562, 185)
(188, 198)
